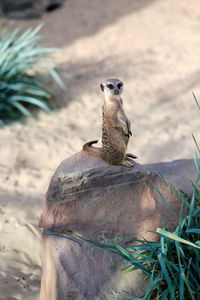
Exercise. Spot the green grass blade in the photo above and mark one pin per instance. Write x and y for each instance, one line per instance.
(167, 278)
(188, 285)
(111, 249)
(196, 190)
(181, 287)
(196, 161)
(178, 194)
(57, 78)
(197, 146)
(22, 109)
(193, 230)
(162, 242)
(173, 237)
(31, 100)
(130, 258)
(164, 200)
(179, 228)
(196, 101)
(190, 216)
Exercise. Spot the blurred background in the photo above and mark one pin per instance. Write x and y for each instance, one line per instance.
(153, 46)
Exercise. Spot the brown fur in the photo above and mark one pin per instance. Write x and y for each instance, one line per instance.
(115, 134)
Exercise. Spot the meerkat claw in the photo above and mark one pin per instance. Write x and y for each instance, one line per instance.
(127, 163)
(129, 159)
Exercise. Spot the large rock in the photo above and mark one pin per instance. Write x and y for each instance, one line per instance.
(93, 199)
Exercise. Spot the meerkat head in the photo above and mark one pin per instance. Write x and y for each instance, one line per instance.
(112, 87)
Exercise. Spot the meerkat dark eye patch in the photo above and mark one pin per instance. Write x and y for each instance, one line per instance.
(119, 85)
(110, 86)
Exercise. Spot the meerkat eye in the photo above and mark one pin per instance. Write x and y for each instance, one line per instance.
(119, 85)
(110, 86)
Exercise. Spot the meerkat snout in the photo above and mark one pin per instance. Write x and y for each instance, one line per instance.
(112, 87)
(116, 91)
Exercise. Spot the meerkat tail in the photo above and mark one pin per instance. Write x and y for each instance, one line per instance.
(88, 144)
(87, 148)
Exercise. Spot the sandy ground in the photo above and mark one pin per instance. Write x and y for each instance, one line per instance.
(154, 47)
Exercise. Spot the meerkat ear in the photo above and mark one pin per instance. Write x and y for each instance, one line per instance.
(102, 87)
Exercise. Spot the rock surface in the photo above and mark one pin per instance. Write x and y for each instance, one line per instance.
(75, 270)
(93, 199)
(178, 172)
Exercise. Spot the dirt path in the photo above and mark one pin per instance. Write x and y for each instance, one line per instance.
(154, 47)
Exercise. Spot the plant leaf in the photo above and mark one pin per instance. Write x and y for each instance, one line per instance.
(196, 100)
(165, 201)
(174, 237)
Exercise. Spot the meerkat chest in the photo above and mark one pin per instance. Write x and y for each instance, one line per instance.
(110, 113)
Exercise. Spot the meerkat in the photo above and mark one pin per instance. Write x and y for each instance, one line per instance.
(115, 127)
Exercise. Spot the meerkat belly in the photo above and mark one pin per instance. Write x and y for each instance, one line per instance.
(114, 147)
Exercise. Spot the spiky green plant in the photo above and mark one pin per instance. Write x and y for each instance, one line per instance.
(23, 65)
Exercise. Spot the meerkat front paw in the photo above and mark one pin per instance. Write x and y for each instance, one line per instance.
(128, 134)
